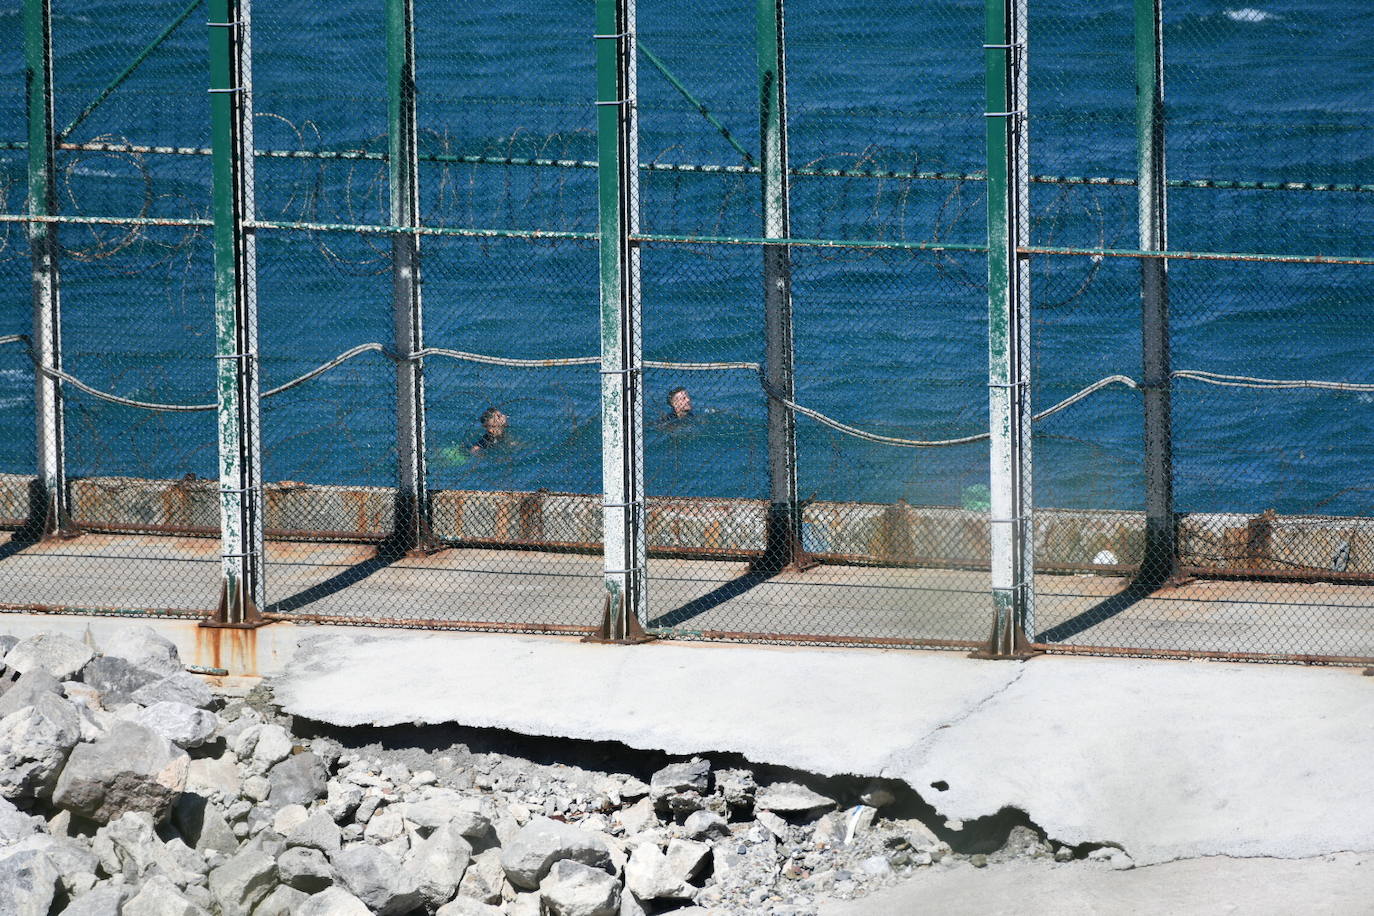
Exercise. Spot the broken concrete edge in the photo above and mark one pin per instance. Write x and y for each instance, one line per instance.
(1105, 541)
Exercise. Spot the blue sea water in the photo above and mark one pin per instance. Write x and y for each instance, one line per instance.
(891, 341)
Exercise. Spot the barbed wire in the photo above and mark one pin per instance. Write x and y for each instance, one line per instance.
(1211, 378)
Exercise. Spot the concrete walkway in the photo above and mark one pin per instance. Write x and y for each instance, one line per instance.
(539, 589)
(1167, 759)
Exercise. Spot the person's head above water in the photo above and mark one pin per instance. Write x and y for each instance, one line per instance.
(494, 422)
(680, 402)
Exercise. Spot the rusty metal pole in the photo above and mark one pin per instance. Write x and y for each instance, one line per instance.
(49, 512)
(622, 383)
(411, 530)
(783, 545)
(1160, 563)
(242, 588)
(1009, 330)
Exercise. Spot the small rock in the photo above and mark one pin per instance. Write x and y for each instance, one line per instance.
(58, 655)
(160, 897)
(289, 818)
(255, 788)
(181, 687)
(574, 889)
(687, 859)
(703, 825)
(270, 745)
(877, 796)
(203, 825)
(333, 902)
(774, 824)
(878, 867)
(542, 842)
(242, 881)
(81, 694)
(14, 824)
(790, 797)
(378, 880)
(632, 789)
(318, 831)
(298, 780)
(639, 816)
(342, 800)
(681, 787)
(484, 878)
(438, 863)
(978, 860)
(384, 826)
(737, 787)
(305, 869)
(131, 768)
(647, 875)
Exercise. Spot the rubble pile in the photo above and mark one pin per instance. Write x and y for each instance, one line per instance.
(128, 787)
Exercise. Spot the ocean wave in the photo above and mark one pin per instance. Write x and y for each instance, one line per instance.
(1249, 14)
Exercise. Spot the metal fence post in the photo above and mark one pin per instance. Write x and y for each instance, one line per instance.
(622, 388)
(1160, 562)
(242, 590)
(49, 513)
(1012, 541)
(411, 529)
(784, 532)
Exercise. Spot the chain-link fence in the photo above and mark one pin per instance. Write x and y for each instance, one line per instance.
(616, 317)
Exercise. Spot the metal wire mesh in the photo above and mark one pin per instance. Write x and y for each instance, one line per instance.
(876, 347)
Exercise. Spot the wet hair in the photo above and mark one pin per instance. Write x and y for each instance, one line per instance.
(488, 414)
(672, 394)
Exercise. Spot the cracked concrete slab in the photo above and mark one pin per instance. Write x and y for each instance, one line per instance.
(1167, 759)
(1337, 884)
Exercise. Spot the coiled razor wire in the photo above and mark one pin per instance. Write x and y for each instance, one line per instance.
(1210, 378)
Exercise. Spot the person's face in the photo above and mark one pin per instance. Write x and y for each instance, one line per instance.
(682, 404)
(496, 424)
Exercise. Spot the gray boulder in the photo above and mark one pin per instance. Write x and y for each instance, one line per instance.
(75, 863)
(116, 679)
(182, 687)
(144, 648)
(159, 897)
(681, 787)
(342, 800)
(305, 869)
(438, 863)
(15, 824)
(297, 780)
(462, 906)
(283, 901)
(61, 656)
(183, 725)
(28, 883)
(574, 889)
(130, 768)
(333, 902)
(318, 831)
(203, 825)
(737, 787)
(790, 797)
(701, 825)
(541, 843)
(377, 879)
(242, 881)
(485, 878)
(441, 807)
(34, 744)
(24, 691)
(104, 900)
(648, 876)
(129, 845)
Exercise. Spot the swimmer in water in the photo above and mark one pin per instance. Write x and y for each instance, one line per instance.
(494, 431)
(679, 406)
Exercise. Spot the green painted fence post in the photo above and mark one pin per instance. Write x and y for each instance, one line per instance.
(49, 511)
(1160, 562)
(783, 545)
(1011, 531)
(242, 589)
(412, 521)
(622, 383)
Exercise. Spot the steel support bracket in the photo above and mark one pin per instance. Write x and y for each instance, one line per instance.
(619, 628)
